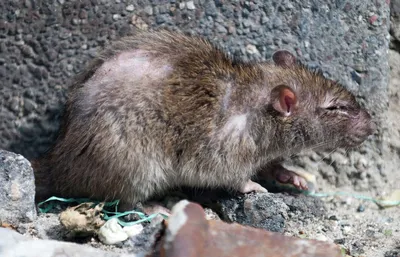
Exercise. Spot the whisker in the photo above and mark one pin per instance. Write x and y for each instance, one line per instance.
(326, 156)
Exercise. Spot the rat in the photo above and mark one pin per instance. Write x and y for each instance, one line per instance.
(160, 110)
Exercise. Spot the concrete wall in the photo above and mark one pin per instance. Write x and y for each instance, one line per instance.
(44, 43)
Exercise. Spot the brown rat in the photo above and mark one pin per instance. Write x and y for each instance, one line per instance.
(160, 110)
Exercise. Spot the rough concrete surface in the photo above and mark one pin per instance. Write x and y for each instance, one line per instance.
(44, 43)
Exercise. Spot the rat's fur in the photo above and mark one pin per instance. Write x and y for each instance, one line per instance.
(161, 110)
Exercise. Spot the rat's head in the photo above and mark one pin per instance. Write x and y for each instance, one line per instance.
(313, 112)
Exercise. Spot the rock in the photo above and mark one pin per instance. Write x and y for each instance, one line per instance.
(221, 29)
(17, 191)
(211, 215)
(146, 240)
(190, 5)
(361, 208)
(47, 226)
(393, 253)
(321, 237)
(251, 49)
(305, 206)
(256, 210)
(29, 105)
(116, 17)
(333, 217)
(13, 244)
(133, 230)
(149, 10)
(139, 23)
(112, 233)
(340, 241)
(216, 238)
(130, 8)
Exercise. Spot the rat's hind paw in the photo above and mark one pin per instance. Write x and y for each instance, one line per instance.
(283, 177)
(289, 177)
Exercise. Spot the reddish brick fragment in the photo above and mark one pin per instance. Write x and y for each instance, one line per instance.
(189, 234)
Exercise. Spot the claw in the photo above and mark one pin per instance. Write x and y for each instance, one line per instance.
(251, 186)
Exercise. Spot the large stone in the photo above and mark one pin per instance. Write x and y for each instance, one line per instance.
(257, 210)
(17, 190)
(189, 234)
(268, 211)
(13, 244)
(146, 240)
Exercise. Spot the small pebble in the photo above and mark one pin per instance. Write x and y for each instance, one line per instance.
(321, 237)
(148, 10)
(347, 200)
(231, 29)
(190, 5)
(251, 49)
(333, 217)
(356, 77)
(116, 17)
(346, 230)
(370, 233)
(372, 19)
(133, 230)
(361, 208)
(75, 21)
(112, 233)
(130, 8)
(340, 241)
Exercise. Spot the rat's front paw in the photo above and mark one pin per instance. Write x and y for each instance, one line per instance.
(251, 186)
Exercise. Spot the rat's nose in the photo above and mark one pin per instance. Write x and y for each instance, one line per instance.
(370, 124)
(372, 127)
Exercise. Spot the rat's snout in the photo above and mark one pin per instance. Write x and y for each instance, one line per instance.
(360, 127)
(370, 125)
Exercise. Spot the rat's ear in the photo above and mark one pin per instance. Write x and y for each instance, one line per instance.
(284, 58)
(283, 100)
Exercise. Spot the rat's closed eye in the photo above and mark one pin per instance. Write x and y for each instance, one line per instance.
(337, 108)
(341, 109)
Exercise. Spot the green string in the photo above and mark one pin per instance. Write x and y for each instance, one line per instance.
(381, 203)
(107, 214)
(143, 217)
(357, 196)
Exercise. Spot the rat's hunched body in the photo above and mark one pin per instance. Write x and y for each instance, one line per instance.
(162, 110)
